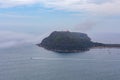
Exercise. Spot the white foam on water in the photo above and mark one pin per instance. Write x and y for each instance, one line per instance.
(72, 59)
(37, 58)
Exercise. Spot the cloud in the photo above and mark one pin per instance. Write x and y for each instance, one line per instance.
(95, 6)
(106, 7)
(8, 44)
(110, 38)
(15, 15)
(85, 26)
(13, 3)
(10, 39)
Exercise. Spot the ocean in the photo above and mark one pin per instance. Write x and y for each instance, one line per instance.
(30, 62)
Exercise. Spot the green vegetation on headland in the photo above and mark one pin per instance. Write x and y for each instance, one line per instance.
(66, 42)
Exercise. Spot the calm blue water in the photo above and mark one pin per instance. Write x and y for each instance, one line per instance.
(34, 63)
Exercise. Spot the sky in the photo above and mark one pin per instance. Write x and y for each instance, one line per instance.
(28, 21)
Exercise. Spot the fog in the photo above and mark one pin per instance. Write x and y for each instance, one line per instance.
(112, 38)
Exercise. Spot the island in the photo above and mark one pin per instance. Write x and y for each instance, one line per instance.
(70, 42)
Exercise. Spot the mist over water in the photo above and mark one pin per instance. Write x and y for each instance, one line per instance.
(25, 23)
(24, 60)
(111, 38)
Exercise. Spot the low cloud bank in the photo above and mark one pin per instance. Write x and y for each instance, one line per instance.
(10, 39)
(110, 38)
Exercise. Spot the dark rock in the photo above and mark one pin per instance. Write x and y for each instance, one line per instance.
(66, 42)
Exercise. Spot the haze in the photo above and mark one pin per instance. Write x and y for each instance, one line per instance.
(28, 21)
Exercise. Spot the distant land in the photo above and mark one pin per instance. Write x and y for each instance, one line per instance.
(70, 42)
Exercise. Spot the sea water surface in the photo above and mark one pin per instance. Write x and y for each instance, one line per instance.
(30, 62)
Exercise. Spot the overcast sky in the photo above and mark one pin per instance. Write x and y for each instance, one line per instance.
(33, 18)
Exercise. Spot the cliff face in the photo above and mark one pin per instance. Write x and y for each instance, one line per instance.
(66, 41)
